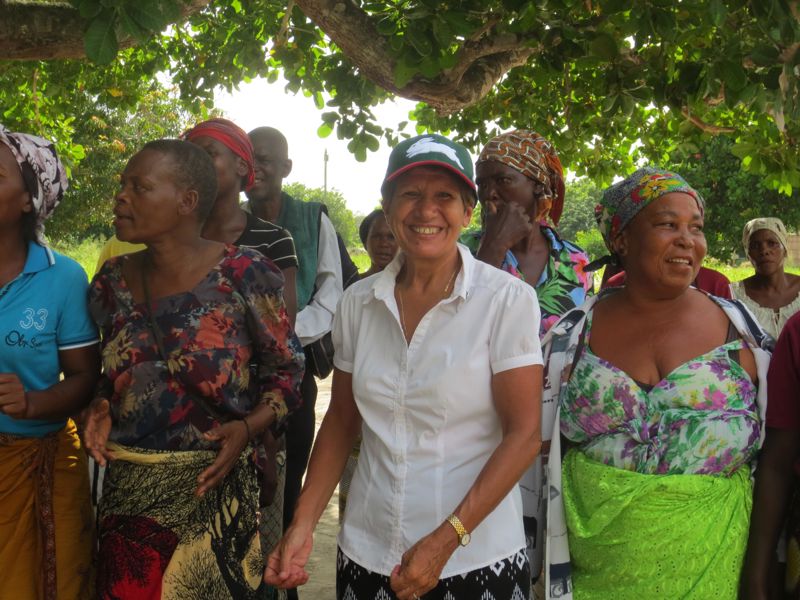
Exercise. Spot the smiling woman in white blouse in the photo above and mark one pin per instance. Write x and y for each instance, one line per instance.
(438, 365)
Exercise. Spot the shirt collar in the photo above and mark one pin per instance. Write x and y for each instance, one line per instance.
(39, 258)
(383, 286)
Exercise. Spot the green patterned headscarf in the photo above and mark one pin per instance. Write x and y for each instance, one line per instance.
(623, 200)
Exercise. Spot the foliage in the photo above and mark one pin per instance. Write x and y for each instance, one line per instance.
(592, 242)
(581, 197)
(732, 197)
(95, 130)
(342, 217)
(610, 82)
(107, 20)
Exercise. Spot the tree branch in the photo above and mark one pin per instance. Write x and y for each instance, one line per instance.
(482, 60)
(703, 126)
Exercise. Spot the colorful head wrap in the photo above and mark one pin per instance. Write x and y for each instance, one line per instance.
(529, 153)
(623, 200)
(230, 134)
(41, 169)
(772, 224)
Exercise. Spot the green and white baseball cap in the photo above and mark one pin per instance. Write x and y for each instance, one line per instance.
(433, 150)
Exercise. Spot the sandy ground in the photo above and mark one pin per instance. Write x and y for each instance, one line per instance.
(322, 562)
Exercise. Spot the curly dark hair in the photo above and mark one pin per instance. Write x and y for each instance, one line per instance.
(193, 169)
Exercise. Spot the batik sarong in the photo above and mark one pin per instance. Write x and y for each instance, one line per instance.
(158, 540)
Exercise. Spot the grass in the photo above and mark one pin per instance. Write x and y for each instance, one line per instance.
(86, 252)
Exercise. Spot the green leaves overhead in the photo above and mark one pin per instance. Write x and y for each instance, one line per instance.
(108, 20)
(612, 83)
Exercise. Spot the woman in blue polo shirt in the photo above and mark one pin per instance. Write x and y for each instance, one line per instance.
(45, 331)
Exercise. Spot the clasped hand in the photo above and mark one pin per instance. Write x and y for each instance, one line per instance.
(421, 565)
(13, 400)
(231, 436)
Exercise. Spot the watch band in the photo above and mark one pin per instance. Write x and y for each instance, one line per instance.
(461, 531)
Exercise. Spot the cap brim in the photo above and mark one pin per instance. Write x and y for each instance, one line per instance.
(432, 163)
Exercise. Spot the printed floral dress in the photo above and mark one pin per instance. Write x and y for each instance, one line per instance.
(227, 346)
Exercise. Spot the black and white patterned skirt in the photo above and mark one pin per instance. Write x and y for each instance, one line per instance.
(507, 579)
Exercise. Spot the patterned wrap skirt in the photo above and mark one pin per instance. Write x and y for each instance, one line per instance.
(46, 525)
(507, 579)
(158, 540)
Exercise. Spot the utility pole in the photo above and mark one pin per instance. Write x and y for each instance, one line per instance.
(325, 170)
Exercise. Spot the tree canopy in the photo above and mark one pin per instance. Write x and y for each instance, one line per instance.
(610, 82)
(343, 219)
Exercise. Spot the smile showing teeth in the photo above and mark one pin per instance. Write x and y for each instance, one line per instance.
(425, 230)
(680, 261)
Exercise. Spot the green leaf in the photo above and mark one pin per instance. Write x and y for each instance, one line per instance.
(733, 74)
(372, 143)
(610, 103)
(324, 130)
(151, 20)
(765, 55)
(743, 149)
(403, 73)
(133, 28)
(718, 12)
(88, 9)
(605, 46)
(386, 26)
(100, 40)
(420, 41)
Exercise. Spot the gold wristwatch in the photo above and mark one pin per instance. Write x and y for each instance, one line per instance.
(461, 531)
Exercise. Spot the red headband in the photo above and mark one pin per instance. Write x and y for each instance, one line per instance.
(230, 134)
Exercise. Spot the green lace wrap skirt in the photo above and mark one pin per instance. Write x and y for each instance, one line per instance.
(633, 535)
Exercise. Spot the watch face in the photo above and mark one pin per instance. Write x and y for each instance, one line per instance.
(465, 539)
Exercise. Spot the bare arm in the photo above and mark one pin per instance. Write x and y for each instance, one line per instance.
(774, 479)
(517, 397)
(337, 434)
(81, 368)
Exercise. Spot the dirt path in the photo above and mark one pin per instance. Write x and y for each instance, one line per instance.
(322, 562)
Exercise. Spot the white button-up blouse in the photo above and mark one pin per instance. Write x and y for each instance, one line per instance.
(429, 420)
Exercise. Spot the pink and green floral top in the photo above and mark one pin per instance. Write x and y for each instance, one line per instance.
(701, 418)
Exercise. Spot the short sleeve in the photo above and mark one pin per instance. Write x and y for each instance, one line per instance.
(343, 334)
(783, 379)
(514, 340)
(283, 250)
(75, 326)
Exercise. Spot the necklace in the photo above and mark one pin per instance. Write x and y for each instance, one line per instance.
(444, 295)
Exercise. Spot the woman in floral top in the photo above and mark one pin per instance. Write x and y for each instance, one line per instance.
(521, 187)
(199, 359)
(656, 389)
